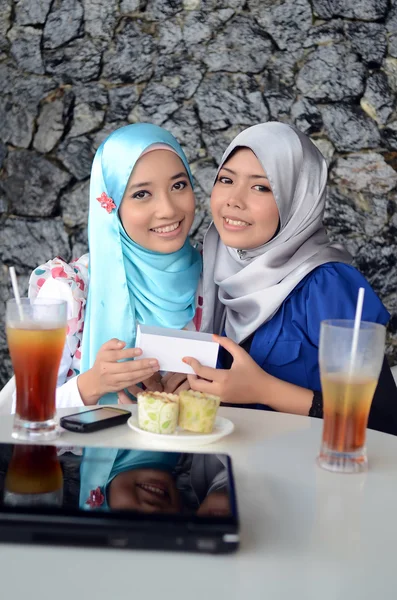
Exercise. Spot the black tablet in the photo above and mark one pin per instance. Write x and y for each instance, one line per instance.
(114, 497)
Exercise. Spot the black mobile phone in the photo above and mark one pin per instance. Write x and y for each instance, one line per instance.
(95, 419)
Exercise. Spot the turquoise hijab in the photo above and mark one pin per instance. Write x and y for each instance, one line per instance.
(129, 283)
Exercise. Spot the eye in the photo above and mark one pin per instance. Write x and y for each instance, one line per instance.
(262, 188)
(141, 195)
(225, 180)
(179, 185)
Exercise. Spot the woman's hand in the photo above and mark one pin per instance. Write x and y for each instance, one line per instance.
(171, 383)
(243, 383)
(153, 384)
(174, 383)
(108, 374)
(246, 383)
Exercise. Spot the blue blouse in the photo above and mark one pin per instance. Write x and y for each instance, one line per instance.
(287, 345)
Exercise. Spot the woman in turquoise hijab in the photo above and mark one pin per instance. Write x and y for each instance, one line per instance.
(141, 267)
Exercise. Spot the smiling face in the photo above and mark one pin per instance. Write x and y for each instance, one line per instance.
(146, 490)
(157, 209)
(243, 207)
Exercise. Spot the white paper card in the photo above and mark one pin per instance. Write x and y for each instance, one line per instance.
(169, 346)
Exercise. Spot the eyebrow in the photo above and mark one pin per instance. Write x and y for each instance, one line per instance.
(143, 183)
(250, 176)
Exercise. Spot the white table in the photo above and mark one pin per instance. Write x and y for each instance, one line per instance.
(306, 533)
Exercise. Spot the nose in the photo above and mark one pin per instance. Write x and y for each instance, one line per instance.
(165, 207)
(235, 196)
(235, 200)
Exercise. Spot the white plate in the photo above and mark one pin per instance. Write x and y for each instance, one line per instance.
(222, 428)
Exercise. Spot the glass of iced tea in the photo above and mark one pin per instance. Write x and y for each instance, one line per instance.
(36, 333)
(348, 384)
(34, 477)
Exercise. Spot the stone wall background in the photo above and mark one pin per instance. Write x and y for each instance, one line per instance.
(71, 71)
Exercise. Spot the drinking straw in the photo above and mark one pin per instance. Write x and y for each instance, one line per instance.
(356, 330)
(15, 288)
(353, 355)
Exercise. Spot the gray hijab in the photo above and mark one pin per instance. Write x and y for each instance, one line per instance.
(244, 288)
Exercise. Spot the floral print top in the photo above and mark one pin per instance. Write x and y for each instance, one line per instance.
(69, 282)
(72, 286)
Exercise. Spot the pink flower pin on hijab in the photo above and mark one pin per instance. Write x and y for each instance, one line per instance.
(96, 498)
(106, 202)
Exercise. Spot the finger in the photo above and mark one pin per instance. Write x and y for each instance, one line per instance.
(174, 382)
(117, 354)
(133, 366)
(167, 377)
(113, 344)
(153, 384)
(234, 349)
(206, 387)
(134, 390)
(204, 372)
(122, 398)
(121, 382)
(184, 386)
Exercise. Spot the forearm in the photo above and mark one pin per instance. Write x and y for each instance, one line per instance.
(88, 388)
(283, 396)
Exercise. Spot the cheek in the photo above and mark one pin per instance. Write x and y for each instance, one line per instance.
(132, 216)
(190, 203)
(215, 202)
(267, 215)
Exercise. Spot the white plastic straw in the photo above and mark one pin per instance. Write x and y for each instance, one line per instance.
(356, 330)
(15, 288)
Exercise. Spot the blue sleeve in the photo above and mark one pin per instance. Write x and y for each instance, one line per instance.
(331, 293)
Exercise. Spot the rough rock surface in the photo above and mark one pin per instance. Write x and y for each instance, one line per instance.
(72, 71)
(64, 23)
(225, 100)
(80, 60)
(74, 205)
(349, 128)
(76, 155)
(241, 47)
(368, 40)
(28, 243)
(25, 48)
(286, 21)
(378, 100)
(32, 184)
(31, 13)
(332, 73)
(365, 10)
(51, 123)
(120, 63)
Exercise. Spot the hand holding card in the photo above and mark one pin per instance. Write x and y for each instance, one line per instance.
(169, 346)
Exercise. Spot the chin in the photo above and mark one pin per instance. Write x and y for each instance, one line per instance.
(167, 247)
(235, 240)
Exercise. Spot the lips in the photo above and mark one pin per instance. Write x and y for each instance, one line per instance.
(235, 224)
(157, 489)
(152, 489)
(167, 228)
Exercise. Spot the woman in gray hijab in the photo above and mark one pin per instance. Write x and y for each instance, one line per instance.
(271, 275)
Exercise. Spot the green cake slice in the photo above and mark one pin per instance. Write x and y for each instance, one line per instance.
(197, 411)
(158, 412)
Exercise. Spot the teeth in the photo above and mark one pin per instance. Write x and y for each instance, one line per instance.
(236, 223)
(167, 229)
(151, 488)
